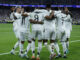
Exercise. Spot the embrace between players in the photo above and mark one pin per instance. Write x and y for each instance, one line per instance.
(46, 24)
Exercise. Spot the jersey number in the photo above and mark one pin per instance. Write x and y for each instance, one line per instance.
(36, 17)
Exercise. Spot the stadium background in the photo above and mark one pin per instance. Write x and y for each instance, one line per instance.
(7, 37)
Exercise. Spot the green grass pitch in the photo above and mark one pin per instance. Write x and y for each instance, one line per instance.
(8, 39)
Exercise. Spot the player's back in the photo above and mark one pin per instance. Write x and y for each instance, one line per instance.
(37, 16)
(60, 20)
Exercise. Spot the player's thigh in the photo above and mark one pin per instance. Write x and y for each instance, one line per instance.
(58, 34)
(40, 35)
(34, 34)
(53, 35)
(29, 36)
(68, 34)
(22, 36)
(63, 37)
(47, 34)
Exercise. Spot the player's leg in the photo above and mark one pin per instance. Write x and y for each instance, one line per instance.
(15, 46)
(29, 45)
(39, 45)
(56, 45)
(67, 42)
(45, 38)
(17, 43)
(51, 46)
(63, 41)
(39, 49)
(33, 48)
(33, 43)
(57, 49)
(51, 49)
(21, 48)
(67, 39)
(21, 44)
(27, 49)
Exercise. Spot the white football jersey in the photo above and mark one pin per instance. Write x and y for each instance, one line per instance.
(37, 15)
(60, 20)
(18, 21)
(11, 16)
(27, 21)
(68, 22)
(47, 22)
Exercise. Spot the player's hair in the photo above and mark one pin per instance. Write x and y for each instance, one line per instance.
(48, 5)
(28, 9)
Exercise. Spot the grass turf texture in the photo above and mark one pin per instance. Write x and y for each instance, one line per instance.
(8, 39)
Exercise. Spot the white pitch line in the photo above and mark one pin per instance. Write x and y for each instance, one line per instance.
(35, 48)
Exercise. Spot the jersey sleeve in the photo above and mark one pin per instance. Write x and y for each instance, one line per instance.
(56, 13)
(68, 18)
(11, 16)
(18, 16)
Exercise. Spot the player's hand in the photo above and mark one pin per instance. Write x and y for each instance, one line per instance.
(25, 15)
(40, 22)
(31, 21)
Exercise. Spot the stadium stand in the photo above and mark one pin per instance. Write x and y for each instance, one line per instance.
(57, 2)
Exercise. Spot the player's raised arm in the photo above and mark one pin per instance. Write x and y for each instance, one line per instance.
(24, 14)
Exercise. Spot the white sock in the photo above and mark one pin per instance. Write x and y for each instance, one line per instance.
(33, 47)
(39, 48)
(51, 48)
(64, 47)
(16, 45)
(21, 47)
(57, 48)
(28, 48)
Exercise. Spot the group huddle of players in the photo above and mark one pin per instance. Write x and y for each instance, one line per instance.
(45, 25)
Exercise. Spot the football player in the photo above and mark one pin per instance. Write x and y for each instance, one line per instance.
(68, 25)
(36, 20)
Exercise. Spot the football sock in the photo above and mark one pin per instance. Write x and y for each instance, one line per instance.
(39, 48)
(21, 47)
(16, 45)
(51, 48)
(57, 48)
(28, 48)
(33, 48)
(64, 47)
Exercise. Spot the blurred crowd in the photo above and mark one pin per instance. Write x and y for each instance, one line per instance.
(57, 2)
(4, 14)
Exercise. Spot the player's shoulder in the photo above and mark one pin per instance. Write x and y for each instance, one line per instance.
(57, 11)
(17, 13)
